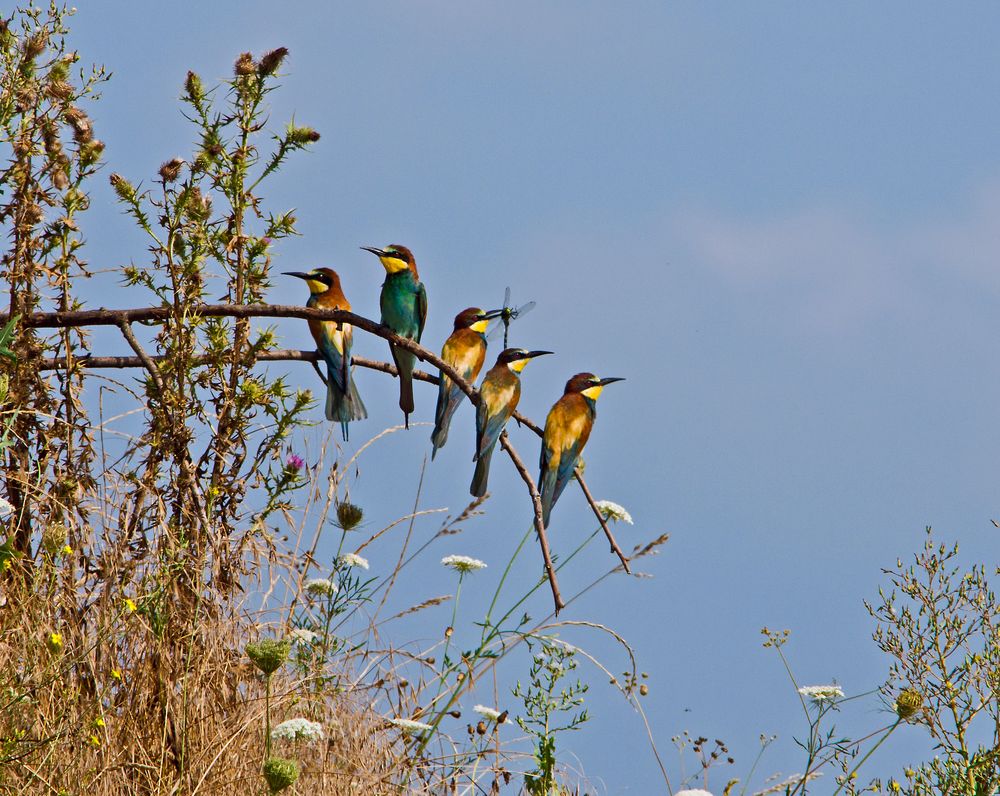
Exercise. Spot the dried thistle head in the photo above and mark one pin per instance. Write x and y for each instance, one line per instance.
(83, 130)
(171, 170)
(244, 65)
(35, 45)
(271, 61)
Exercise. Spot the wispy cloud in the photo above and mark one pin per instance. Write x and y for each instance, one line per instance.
(835, 269)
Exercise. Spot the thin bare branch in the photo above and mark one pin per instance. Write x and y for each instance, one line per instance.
(536, 501)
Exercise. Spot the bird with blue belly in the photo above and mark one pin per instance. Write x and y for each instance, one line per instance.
(567, 429)
(404, 310)
(499, 395)
(333, 342)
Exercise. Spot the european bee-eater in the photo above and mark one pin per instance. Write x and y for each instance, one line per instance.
(498, 398)
(465, 351)
(333, 341)
(567, 429)
(404, 311)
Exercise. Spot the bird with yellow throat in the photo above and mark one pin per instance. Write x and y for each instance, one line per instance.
(404, 311)
(333, 342)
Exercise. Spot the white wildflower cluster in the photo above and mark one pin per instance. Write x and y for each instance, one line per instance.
(488, 713)
(410, 726)
(463, 564)
(822, 693)
(612, 511)
(692, 792)
(302, 635)
(298, 730)
(353, 560)
(321, 587)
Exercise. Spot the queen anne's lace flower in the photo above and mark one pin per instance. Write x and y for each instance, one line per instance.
(302, 635)
(353, 560)
(612, 511)
(298, 730)
(692, 792)
(321, 587)
(489, 713)
(410, 726)
(463, 564)
(822, 693)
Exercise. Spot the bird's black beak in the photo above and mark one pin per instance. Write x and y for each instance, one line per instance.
(610, 380)
(489, 315)
(373, 250)
(533, 354)
(299, 274)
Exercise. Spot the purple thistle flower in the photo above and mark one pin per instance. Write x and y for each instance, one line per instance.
(294, 462)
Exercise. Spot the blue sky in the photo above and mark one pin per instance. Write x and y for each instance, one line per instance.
(777, 220)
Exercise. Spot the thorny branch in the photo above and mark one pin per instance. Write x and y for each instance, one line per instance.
(124, 317)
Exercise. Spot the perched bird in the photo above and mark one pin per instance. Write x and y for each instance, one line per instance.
(498, 397)
(465, 351)
(567, 429)
(404, 311)
(333, 341)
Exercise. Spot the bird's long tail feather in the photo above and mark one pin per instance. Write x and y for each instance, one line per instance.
(482, 473)
(343, 407)
(404, 364)
(446, 406)
(547, 487)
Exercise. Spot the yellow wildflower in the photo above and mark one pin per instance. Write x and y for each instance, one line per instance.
(116, 674)
(54, 643)
(130, 606)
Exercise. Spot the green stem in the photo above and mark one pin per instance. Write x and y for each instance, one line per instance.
(869, 754)
(510, 564)
(267, 717)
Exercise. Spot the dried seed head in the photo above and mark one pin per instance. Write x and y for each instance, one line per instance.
(271, 61)
(59, 179)
(643, 689)
(33, 214)
(25, 99)
(171, 170)
(502, 718)
(908, 703)
(35, 46)
(59, 89)
(53, 537)
(244, 65)
(83, 130)
(481, 728)
(349, 516)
